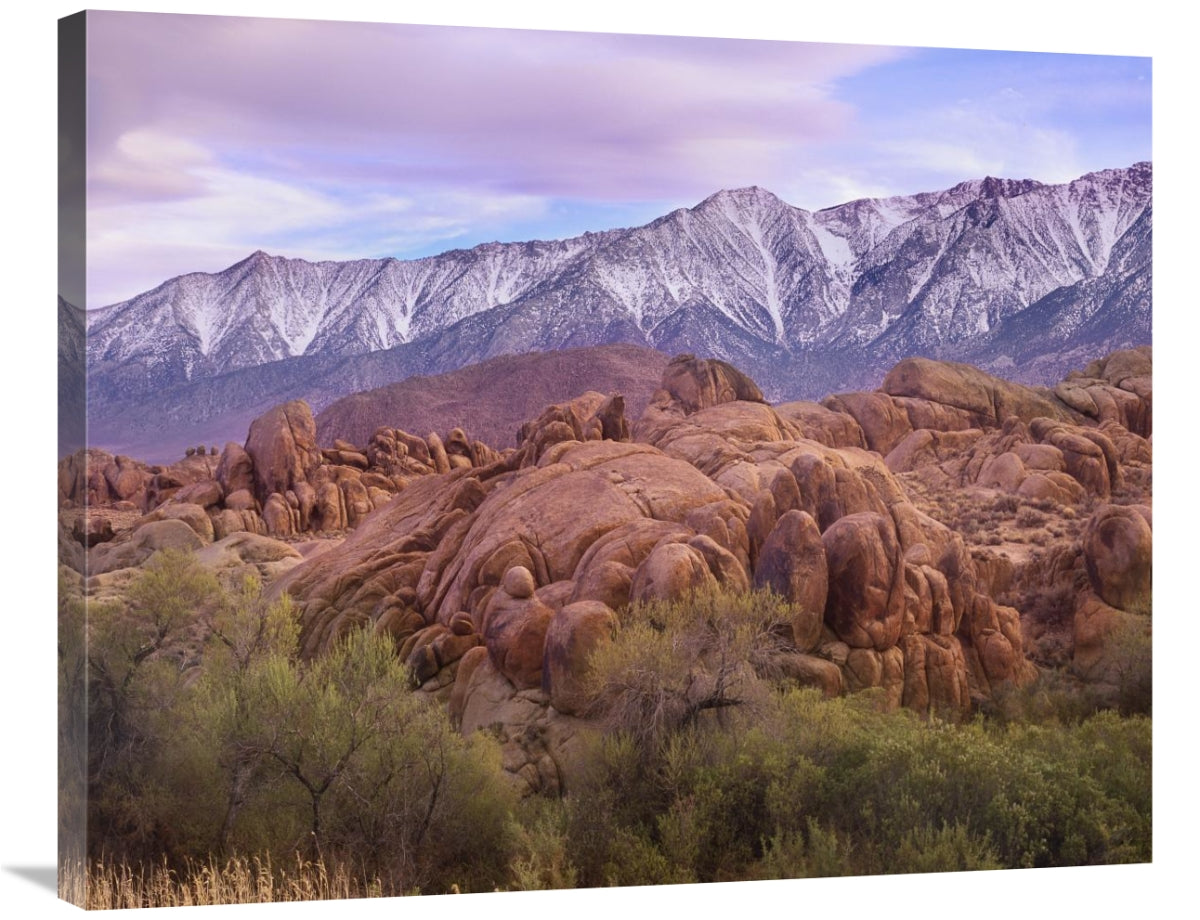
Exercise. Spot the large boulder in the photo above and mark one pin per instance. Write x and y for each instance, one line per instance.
(193, 515)
(865, 605)
(1118, 550)
(235, 472)
(240, 554)
(819, 423)
(575, 632)
(792, 564)
(671, 570)
(884, 424)
(963, 387)
(1117, 388)
(282, 444)
(143, 542)
(207, 493)
(514, 629)
(697, 383)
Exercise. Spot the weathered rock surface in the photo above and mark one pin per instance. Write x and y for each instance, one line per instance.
(792, 563)
(282, 444)
(141, 544)
(498, 574)
(1118, 551)
(575, 632)
(697, 383)
(531, 553)
(865, 606)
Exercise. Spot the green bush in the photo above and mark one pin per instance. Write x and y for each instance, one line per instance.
(675, 662)
(218, 740)
(215, 739)
(1129, 649)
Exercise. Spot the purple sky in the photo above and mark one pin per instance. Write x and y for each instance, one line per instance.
(210, 137)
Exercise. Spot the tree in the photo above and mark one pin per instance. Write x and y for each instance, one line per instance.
(338, 759)
(673, 661)
(211, 736)
(138, 653)
(245, 636)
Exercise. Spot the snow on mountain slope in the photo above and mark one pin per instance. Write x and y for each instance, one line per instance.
(742, 275)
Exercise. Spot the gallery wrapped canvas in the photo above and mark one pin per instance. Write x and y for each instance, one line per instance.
(495, 460)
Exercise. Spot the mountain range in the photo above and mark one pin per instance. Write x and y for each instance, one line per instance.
(1021, 278)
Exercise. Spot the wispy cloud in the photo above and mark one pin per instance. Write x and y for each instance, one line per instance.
(209, 135)
(190, 213)
(213, 136)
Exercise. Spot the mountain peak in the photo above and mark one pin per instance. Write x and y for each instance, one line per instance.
(744, 194)
(740, 201)
(995, 187)
(256, 259)
(742, 275)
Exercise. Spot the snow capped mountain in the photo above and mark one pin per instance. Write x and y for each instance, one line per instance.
(970, 272)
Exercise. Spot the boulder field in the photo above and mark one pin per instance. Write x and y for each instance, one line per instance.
(497, 574)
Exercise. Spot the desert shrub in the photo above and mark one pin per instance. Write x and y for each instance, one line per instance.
(222, 743)
(138, 656)
(541, 861)
(696, 812)
(1006, 503)
(1129, 649)
(1023, 794)
(949, 848)
(1055, 697)
(806, 786)
(819, 852)
(674, 662)
(1047, 601)
(608, 828)
(1030, 517)
(337, 758)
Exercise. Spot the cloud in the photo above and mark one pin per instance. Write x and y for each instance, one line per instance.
(213, 135)
(994, 137)
(338, 139)
(190, 213)
(500, 107)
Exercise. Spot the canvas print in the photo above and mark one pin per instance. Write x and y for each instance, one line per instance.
(496, 460)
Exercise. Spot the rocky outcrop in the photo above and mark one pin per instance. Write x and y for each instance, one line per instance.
(960, 426)
(947, 395)
(282, 446)
(1045, 459)
(141, 544)
(792, 562)
(1117, 388)
(1118, 552)
(280, 483)
(235, 472)
(697, 383)
(95, 477)
(528, 558)
(498, 574)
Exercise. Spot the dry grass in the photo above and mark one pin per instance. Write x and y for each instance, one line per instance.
(238, 880)
(989, 518)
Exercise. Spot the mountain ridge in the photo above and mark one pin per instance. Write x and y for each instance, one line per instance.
(793, 295)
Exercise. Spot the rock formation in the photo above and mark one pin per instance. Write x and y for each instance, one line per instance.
(497, 573)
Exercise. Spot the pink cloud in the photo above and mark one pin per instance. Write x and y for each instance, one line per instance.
(561, 114)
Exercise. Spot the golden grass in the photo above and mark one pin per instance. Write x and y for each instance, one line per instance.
(238, 880)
